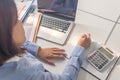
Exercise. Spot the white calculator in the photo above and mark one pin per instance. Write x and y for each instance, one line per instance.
(100, 58)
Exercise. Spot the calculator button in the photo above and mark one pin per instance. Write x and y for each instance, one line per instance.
(100, 66)
(98, 59)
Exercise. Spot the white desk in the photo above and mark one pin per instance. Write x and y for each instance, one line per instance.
(99, 29)
(73, 38)
(115, 44)
(68, 47)
(86, 23)
(109, 9)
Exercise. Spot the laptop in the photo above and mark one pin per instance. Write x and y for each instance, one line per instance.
(57, 20)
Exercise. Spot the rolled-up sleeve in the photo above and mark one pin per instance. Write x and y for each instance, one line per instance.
(31, 47)
(73, 67)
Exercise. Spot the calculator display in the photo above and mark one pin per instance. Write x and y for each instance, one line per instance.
(107, 53)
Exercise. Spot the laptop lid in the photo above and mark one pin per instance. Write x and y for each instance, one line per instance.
(62, 8)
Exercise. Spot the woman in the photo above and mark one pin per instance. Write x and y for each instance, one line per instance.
(18, 64)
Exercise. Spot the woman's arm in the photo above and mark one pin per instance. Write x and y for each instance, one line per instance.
(70, 72)
(31, 47)
(44, 54)
(72, 69)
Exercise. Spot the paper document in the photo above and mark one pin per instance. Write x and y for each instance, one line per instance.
(30, 25)
(23, 8)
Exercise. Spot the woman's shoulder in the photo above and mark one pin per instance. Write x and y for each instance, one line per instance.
(26, 66)
(29, 63)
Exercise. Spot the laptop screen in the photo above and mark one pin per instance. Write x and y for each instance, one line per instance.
(66, 8)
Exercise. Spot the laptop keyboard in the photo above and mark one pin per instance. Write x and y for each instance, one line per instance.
(54, 23)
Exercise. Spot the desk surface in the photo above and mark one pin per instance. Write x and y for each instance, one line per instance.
(71, 42)
(73, 38)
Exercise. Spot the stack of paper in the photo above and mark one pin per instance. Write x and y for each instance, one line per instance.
(29, 19)
(23, 8)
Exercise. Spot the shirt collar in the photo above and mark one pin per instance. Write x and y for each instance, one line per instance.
(13, 59)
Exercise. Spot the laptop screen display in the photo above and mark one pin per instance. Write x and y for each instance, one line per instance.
(62, 7)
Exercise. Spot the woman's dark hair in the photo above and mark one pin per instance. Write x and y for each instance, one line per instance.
(8, 19)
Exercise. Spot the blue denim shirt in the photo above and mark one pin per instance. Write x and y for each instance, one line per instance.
(65, 6)
(28, 67)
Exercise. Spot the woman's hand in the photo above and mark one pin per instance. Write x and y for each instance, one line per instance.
(49, 53)
(84, 40)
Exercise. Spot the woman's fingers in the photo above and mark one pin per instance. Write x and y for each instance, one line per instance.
(57, 49)
(59, 53)
(88, 35)
(52, 53)
(57, 56)
(49, 61)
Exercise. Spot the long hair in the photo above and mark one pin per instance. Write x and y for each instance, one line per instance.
(8, 18)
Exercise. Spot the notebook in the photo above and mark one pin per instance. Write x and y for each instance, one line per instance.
(57, 19)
